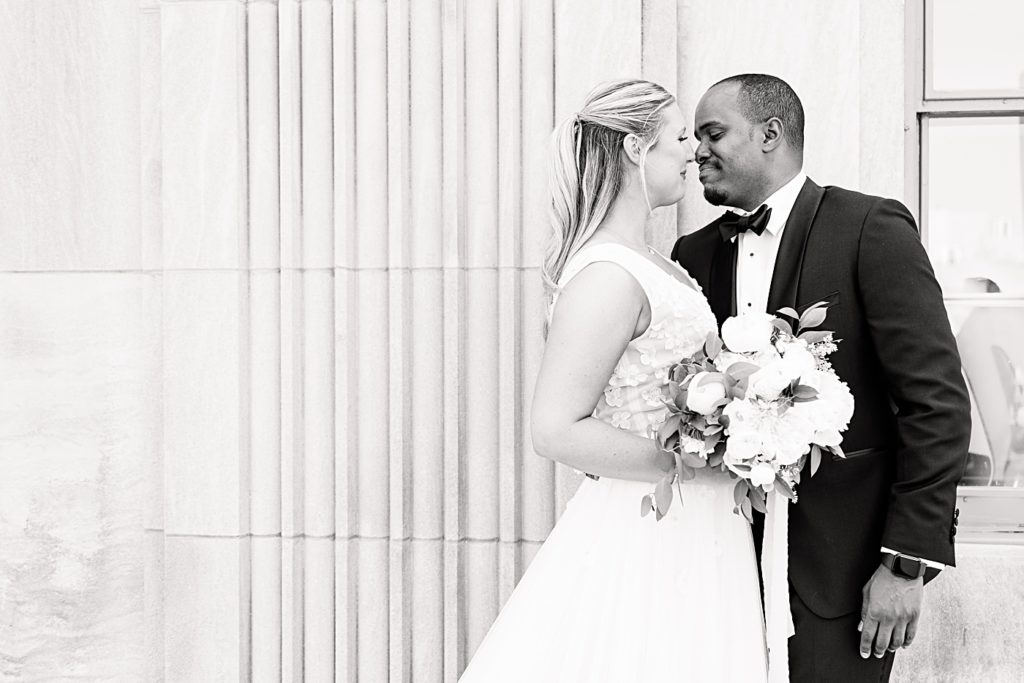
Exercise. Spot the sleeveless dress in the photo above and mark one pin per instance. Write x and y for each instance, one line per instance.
(613, 596)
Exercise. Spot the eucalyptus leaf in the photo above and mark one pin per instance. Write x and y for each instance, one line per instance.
(745, 506)
(687, 473)
(645, 505)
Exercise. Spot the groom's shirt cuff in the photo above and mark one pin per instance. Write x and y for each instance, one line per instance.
(926, 561)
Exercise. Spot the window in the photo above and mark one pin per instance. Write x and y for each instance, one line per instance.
(965, 179)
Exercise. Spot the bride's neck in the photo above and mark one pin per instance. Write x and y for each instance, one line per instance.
(625, 221)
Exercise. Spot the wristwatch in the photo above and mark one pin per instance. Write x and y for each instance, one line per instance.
(903, 565)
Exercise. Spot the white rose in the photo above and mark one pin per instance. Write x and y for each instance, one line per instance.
(791, 436)
(800, 361)
(768, 382)
(762, 474)
(831, 410)
(749, 332)
(741, 447)
(702, 393)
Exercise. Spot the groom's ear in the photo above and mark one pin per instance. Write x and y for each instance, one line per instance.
(773, 134)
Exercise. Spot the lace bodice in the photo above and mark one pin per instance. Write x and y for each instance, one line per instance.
(681, 320)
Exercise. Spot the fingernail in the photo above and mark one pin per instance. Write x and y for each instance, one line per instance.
(864, 655)
(860, 626)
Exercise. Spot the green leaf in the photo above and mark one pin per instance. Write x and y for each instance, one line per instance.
(815, 458)
(745, 507)
(785, 488)
(813, 316)
(693, 460)
(739, 493)
(741, 370)
(789, 312)
(758, 501)
(713, 345)
(645, 505)
(663, 495)
(805, 392)
(783, 326)
(687, 473)
(711, 377)
(815, 336)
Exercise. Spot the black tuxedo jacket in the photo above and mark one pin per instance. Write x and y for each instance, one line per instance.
(907, 442)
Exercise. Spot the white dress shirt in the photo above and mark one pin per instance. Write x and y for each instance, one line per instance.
(755, 263)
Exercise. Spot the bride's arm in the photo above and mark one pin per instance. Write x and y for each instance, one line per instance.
(596, 316)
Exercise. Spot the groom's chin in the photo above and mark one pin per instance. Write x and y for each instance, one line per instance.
(714, 196)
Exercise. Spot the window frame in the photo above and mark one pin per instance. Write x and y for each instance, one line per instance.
(987, 514)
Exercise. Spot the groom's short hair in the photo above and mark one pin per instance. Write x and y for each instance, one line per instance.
(762, 97)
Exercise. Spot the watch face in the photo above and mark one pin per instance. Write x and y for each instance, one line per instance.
(909, 568)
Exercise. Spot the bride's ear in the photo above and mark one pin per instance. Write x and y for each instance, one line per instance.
(631, 148)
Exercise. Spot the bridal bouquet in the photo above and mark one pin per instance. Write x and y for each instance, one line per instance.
(757, 402)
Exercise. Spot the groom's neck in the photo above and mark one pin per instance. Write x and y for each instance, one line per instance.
(777, 181)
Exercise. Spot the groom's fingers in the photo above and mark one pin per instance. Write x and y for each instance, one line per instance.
(899, 636)
(867, 636)
(883, 637)
(911, 632)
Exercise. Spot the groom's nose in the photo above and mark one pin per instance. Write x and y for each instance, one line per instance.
(702, 154)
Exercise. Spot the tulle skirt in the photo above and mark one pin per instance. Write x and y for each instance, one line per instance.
(615, 597)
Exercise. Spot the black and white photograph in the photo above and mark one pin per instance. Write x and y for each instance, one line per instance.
(511, 341)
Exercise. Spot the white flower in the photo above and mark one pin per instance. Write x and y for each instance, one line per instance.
(748, 332)
(831, 411)
(799, 359)
(703, 393)
(654, 397)
(613, 397)
(787, 437)
(627, 375)
(692, 445)
(768, 382)
(741, 447)
(763, 475)
(620, 420)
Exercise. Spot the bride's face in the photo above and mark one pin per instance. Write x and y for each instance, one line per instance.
(668, 159)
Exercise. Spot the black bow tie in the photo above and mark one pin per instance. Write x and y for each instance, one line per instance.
(733, 224)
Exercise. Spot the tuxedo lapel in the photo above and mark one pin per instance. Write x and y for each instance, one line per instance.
(722, 279)
(789, 262)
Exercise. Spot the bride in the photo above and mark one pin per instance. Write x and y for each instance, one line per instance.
(611, 595)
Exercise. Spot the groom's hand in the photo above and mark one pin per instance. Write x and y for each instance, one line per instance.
(889, 612)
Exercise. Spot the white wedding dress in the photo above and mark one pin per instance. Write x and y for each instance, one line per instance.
(615, 597)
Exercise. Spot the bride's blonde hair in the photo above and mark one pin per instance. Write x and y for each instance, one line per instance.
(587, 171)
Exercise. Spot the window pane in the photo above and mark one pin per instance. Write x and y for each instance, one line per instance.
(991, 342)
(977, 45)
(975, 216)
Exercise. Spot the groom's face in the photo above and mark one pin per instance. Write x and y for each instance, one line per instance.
(729, 159)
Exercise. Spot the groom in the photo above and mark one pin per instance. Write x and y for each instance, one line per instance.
(870, 528)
